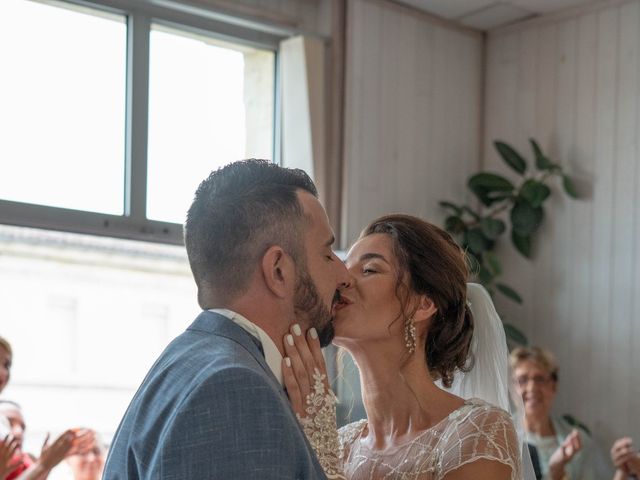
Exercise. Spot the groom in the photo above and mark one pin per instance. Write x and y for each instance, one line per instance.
(213, 405)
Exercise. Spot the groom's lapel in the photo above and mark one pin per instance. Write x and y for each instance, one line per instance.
(220, 325)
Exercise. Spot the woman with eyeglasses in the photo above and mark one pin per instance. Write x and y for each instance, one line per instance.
(564, 451)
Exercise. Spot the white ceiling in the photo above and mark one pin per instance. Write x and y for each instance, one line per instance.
(488, 14)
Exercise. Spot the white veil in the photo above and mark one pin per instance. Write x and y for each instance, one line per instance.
(490, 378)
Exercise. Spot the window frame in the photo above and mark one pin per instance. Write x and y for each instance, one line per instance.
(140, 15)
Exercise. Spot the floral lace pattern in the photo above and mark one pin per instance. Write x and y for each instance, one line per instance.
(475, 431)
(320, 427)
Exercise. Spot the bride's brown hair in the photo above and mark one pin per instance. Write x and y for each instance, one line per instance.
(435, 266)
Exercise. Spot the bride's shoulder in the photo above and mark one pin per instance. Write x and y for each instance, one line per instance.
(480, 421)
(478, 416)
(476, 407)
(479, 430)
(351, 431)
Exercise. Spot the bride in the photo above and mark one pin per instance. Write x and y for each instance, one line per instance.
(406, 318)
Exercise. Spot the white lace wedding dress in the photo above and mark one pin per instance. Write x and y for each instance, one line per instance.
(477, 430)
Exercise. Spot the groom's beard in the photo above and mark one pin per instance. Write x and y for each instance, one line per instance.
(309, 305)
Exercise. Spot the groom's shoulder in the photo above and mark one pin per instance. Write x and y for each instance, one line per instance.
(212, 349)
(210, 338)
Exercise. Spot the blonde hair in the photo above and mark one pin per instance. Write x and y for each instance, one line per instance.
(4, 343)
(542, 357)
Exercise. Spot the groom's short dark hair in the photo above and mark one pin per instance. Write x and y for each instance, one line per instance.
(238, 212)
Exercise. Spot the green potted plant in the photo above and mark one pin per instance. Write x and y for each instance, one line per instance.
(504, 206)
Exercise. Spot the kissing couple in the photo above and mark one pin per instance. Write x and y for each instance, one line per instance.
(243, 392)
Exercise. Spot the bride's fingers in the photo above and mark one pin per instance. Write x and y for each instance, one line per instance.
(316, 350)
(291, 384)
(298, 367)
(303, 350)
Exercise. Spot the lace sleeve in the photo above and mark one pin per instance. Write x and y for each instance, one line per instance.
(486, 432)
(349, 434)
(319, 425)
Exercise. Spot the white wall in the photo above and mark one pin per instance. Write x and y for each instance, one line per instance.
(573, 82)
(412, 113)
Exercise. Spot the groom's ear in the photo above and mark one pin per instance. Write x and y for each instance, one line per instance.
(278, 271)
(426, 309)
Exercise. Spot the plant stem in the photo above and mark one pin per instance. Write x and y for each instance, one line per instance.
(491, 214)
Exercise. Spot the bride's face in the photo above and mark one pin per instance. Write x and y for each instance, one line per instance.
(370, 302)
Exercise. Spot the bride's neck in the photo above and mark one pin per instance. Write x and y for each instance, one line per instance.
(400, 399)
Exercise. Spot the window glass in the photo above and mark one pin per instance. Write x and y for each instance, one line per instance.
(210, 103)
(62, 115)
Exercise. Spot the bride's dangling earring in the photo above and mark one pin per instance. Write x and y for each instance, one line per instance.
(410, 335)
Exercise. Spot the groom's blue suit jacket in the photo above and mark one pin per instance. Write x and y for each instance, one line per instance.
(210, 408)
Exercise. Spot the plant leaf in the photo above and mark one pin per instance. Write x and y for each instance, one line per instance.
(476, 241)
(511, 157)
(509, 292)
(490, 188)
(522, 244)
(492, 228)
(569, 187)
(525, 219)
(574, 422)
(542, 162)
(534, 192)
(456, 209)
(485, 276)
(454, 224)
(493, 263)
(514, 334)
(491, 181)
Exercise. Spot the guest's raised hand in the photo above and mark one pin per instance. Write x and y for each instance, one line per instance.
(633, 464)
(625, 457)
(304, 369)
(83, 441)
(8, 448)
(621, 450)
(52, 454)
(564, 453)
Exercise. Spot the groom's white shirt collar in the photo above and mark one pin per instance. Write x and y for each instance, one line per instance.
(271, 353)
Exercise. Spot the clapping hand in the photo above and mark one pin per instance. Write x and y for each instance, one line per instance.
(8, 463)
(624, 457)
(71, 442)
(83, 442)
(564, 453)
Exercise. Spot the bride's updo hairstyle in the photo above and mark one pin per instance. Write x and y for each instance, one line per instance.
(435, 266)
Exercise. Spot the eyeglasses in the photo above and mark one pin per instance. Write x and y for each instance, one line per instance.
(538, 380)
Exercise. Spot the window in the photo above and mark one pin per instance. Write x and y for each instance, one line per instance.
(111, 117)
(62, 93)
(209, 102)
(86, 317)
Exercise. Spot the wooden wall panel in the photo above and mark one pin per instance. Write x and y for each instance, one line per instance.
(412, 119)
(573, 83)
